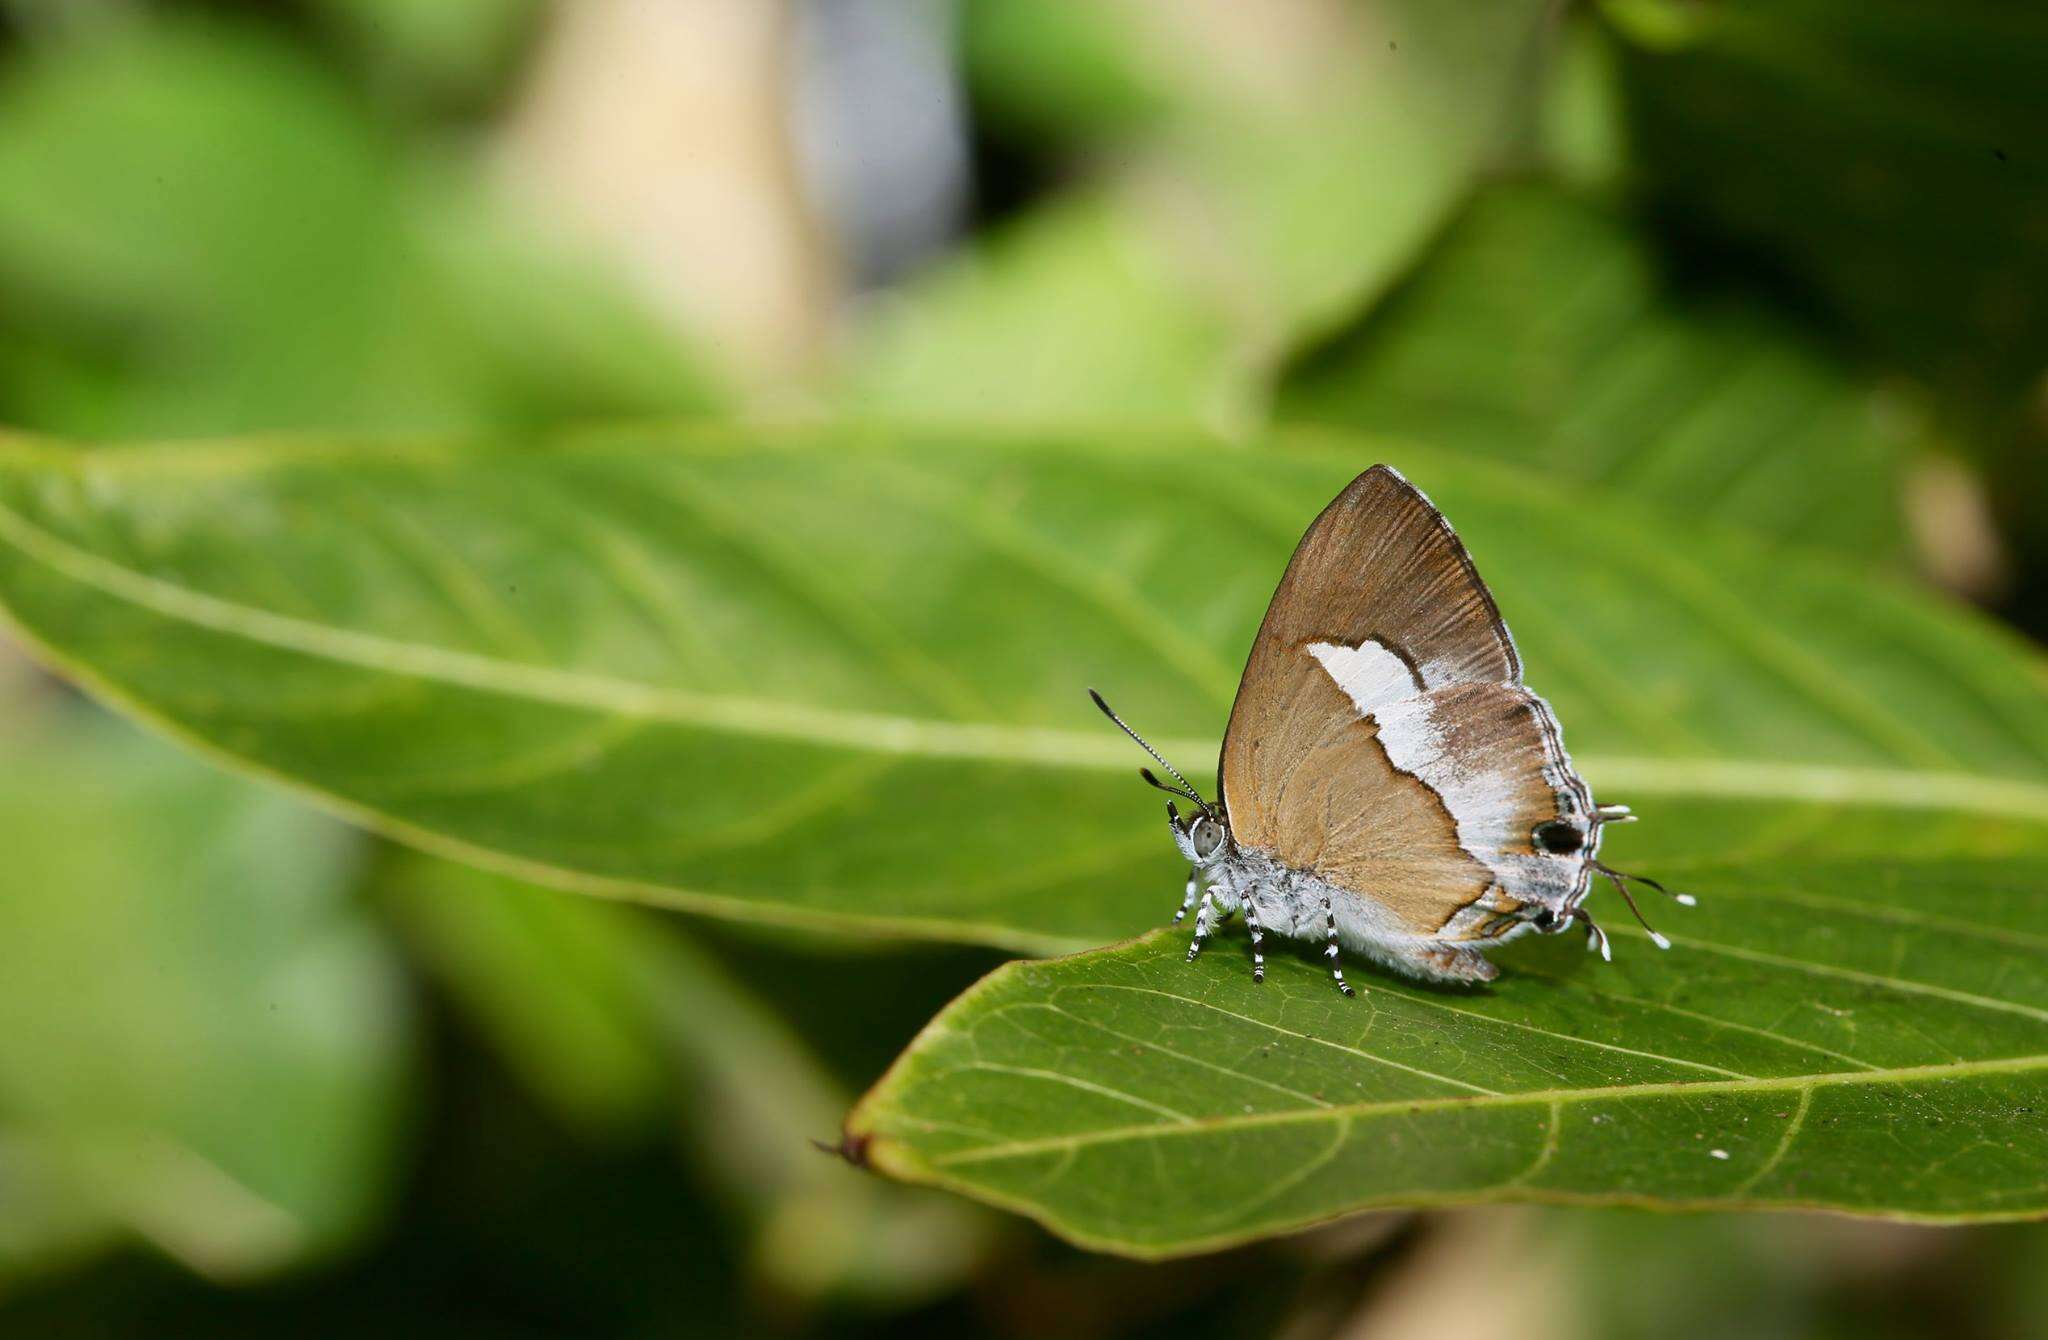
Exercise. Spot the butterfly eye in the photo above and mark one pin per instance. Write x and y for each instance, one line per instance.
(1207, 837)
(1558, 838)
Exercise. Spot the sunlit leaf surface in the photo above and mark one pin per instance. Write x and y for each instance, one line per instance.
(833, 675)
(836, 675)
(1866, 1036)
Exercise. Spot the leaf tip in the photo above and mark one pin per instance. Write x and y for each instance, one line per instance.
(852, 1146)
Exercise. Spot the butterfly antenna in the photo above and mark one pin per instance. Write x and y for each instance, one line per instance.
(1151, 780)
(1187, 787)
(1621, 887)
(1682, 899)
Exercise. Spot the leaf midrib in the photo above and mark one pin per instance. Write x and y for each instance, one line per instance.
(1039, 746)
(1229, 1123)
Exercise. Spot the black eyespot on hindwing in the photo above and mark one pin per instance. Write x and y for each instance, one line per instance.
(1558, 838)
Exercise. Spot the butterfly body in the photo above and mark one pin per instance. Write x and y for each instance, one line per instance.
(1302, 905)
(1388, 784)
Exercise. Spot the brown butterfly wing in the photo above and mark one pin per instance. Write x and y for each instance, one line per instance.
(1381, 607)
(1379, 565)
(1340, 809)
(1493, 759)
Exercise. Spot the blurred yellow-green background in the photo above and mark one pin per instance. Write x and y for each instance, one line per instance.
(259, 1071)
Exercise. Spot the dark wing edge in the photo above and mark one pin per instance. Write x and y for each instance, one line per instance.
(1464, 557)
(1348, 499)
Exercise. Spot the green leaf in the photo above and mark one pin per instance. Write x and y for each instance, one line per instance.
(1075, 309)
(201, 232)
(46, 1225)
(175, 199)
(1543, 330)
(1868, 1036)
(201, 1043)
(1259, 205)
(835, 675)
(545, 979)
(1903, 181)
(455, 51)
(1056, 71)
(832, 675)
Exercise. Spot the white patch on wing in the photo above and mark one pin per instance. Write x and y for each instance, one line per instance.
(1481, 799)
(1437, 674)
(1370, 675)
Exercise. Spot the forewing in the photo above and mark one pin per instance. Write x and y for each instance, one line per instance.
(1381, 580)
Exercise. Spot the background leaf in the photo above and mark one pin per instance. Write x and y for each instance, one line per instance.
(612, 1015)
(1543, 329)
(201, 234)
(1903, 184)
(834, 675)
(1227, 214)
(1877, 164)
(171, 934)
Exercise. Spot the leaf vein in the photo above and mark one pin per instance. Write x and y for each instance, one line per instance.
(1075, 1081)
(1416, 1106)
(1305, 1037)
(1031, 746)
(1770, 1165)
(1903, 985)
(1161, 1048)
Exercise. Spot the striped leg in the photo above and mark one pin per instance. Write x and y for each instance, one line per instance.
(1330, 950)
(1188, 901)
(1202, 918)
(1251, 921)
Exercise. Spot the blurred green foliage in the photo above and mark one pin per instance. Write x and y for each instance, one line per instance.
(1884, 160)
(534, 660)
(452, 55)
(1541, 330)
(202, 232)
(1882, 166)
(1238, 204)
(201, 1040)
(1747, 263)
(614, 1018)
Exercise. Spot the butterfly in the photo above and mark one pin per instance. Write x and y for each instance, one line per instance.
(1388, 784)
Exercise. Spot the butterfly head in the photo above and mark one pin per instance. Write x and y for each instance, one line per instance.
(1565, 838)
(1203, 836)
